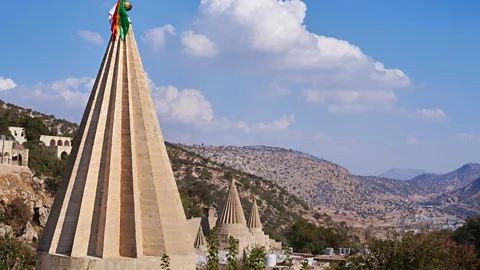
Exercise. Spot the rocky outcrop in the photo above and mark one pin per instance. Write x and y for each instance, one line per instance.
(29, 234)
(5, 230)
(30, 190)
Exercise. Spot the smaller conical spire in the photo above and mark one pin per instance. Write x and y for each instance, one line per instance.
(254, 219)
(200, 239)
(232, 211)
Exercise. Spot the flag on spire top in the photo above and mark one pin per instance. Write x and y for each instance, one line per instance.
(119, 20)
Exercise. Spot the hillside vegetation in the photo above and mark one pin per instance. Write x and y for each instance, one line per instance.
(13, 115)
(322, 184)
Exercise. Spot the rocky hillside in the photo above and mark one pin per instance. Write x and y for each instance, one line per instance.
(320, 183)
(463, 202)
(438, 183)
(16, 117)
(204, 183)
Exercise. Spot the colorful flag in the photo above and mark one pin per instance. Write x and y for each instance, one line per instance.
(119, 21)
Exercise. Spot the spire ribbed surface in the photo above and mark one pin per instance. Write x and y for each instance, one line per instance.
(200, 239)
(232, 212)
(118, 197)
(254, 218)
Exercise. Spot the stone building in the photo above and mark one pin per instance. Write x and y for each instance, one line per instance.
(232, 222)
(18, 134)
(13, 154)
(62, 146)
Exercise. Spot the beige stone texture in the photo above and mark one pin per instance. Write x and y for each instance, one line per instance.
(118, 205)
(231, 222)
(255, 226)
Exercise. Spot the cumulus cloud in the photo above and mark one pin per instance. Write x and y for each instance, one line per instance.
(6, 84)
(187, 105)
(271, 38)
(277, 125)
(155, 37)
(412, 141)
(91, 37)
(70, 92)
(198, 45)
(63, 98)
(351, 101)
(431, 115)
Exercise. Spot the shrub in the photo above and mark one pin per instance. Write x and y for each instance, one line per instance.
(17, 215)
(14, 252)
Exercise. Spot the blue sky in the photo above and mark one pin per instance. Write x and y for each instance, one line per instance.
(369, 85)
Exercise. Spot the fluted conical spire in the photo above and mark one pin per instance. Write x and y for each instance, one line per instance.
(232, 212)
(118, 199)
(200, 239)
(254, 219)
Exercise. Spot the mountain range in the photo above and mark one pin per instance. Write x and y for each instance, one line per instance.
(402, 173)
(332, 189)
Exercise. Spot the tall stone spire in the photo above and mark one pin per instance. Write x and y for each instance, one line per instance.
(118, 206)
(200, 239)
(232, 212)
(255, 226)
(232, 221)
(254, 222)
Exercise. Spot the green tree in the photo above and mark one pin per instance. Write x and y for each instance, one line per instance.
(34, 128)
(307, 237)
(4, 125)
(44, 163)
(426, 251)
(288, 259)
(213, 249)
(165, 264)
(469, 233)
(256, 260)
(232, 253)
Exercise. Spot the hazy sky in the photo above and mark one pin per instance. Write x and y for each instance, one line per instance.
(369, 85)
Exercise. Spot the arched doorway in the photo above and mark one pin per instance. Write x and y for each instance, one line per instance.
(6, 158)
(64, 156)
(52, 142)
(59, 143)
(20, 162)
(67, 143)
(16, 158)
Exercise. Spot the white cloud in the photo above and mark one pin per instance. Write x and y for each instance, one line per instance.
(71, 92)
(412, 141)
(271, 35)
(351, 101)
(198, 45)
(155, 37)
(276, 91)
(468, 136)
(72, 83)
(278, 125)
(91, 37)
(6, 84)
(187, 105)
(431, 115)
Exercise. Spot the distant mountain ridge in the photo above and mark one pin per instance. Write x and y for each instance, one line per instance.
(320, 183)
(402, 173)
(439, 183)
